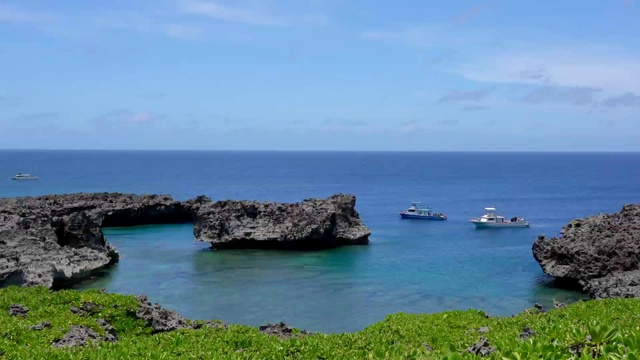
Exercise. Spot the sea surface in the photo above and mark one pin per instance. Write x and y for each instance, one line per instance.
(410, 266)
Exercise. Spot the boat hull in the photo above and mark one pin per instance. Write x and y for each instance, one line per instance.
(24, 179)
(493, 225)
(423, 217)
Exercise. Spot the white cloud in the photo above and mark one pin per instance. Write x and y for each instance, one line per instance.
(580, 69)
(181, 19)
(121, 117)
(475, 108)
(222, 12)
(140, 118)
(142, 22)
(465, 95)
(349, 129)
(11, 14)
(488, 56)
(627, 99)
(92, 23)
(433, 36)
(411, 127)
(567, 95)
(417, 36)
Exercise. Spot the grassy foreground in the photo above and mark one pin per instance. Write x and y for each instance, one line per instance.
(608, 329)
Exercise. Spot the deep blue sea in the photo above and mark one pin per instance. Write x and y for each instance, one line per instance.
(410, 266)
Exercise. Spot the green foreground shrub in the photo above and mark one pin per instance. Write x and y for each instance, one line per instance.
(608, 329)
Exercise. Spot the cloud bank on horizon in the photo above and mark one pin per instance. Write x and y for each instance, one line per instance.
(320, 75)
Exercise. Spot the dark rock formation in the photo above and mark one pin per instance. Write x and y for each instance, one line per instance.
(18, 310)
(160, 319)
(78, 335)
(481, 348)
(58, 238)
(526, 333)
(311, 224)
(599, 253)
(77, 311)
(558, 305)
(91, 307)
(51, 240)
(110, 331)
(281, 330)
(212, 324)
(619, 285)
(41, 326)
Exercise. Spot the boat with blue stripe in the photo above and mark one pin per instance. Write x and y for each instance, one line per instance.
(417, 212)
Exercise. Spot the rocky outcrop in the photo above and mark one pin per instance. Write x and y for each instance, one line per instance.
(110, 334)
(158, 318)
(619, 285)
(599, 253)
(41, 326)
(481, 348)
(281, 330)
(18, 310)
(48, 239)
(79, 335)
(51, 240)
(527, 333)
(311, 224)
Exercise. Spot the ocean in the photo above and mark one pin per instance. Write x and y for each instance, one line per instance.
(410, 266)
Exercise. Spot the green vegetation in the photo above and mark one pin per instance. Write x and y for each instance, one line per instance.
(607, 329)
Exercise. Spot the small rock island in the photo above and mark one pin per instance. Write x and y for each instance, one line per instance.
(53, 239)
(600, 254)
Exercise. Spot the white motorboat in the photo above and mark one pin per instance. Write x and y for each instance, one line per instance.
(491, 220)
(23, 176)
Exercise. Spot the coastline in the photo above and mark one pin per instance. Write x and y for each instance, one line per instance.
(51, 239)
(476, 243)
(94, 324)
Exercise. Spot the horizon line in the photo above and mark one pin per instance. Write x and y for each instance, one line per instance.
(335, 151)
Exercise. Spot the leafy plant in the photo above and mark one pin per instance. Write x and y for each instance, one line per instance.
(605, 329)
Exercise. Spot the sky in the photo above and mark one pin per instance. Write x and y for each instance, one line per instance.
(404, 75)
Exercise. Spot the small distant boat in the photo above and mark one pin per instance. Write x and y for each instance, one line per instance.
(23, 176)
(415, 212)
(491, 220)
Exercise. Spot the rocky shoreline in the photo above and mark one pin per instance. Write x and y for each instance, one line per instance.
(158, 319)
(50, 240)
(56, 239)
(155, 317)
(39, 323)
(598, 254)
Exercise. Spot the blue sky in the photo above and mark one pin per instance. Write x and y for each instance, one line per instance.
(320, 75)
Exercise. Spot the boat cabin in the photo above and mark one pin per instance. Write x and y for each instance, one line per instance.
(490, 219)
(490, 216)
(415, 209)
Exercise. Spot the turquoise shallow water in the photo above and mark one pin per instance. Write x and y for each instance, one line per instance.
(335, 290)
(410, 266)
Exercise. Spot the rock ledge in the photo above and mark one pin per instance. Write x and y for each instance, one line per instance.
(600, 254)
(54, 239)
